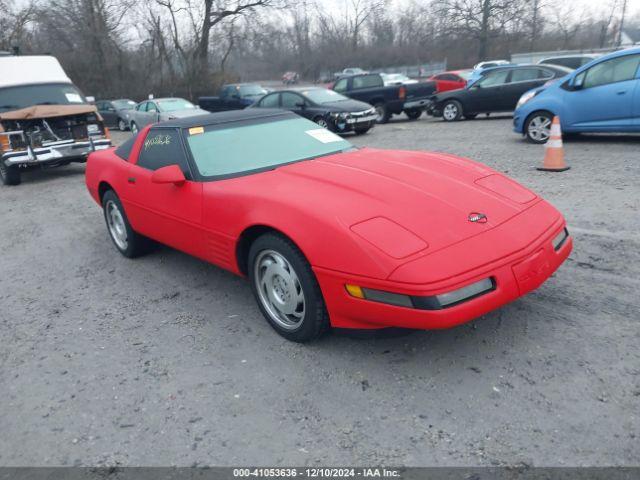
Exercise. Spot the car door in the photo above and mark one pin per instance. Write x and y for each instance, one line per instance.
(487, 94)
(446, 82)
(139, 114)
(168, 213)
(271, 100)
(521, 80)
(294, 102)
(152, 115)
(603, 96)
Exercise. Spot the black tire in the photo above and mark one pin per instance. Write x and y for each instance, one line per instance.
(451, 111)
(136, 244)
(413, 114)
(323, 122)
(122, 125)
(532, 132)
(315, 320)
(134, 128)
(9, 175)
(361, 131)
(470, 116)
(383, 112)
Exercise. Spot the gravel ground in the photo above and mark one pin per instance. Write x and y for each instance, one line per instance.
(166, 360)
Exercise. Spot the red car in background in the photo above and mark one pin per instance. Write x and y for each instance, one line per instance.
(452, 80)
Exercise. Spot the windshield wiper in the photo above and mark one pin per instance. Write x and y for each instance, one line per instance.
(46, 103)
(9, 106)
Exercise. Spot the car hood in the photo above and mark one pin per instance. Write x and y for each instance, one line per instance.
(346, 106)
(426, 200)
(187, 112)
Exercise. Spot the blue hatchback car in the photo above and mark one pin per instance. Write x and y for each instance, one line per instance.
(601, 96)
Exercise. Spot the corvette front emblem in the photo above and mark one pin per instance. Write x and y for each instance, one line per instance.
(476, 217)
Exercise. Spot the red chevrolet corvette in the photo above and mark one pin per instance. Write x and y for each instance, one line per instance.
(329, 234)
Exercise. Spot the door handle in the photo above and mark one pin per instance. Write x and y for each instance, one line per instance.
(621, 92)
(131, 180)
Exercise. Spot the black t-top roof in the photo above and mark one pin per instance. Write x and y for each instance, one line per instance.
(225, 117)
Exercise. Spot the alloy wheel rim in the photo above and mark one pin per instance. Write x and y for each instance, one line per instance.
(380, 112)
(450, 111)
(117, 227)
(279, 289)
(134, 128)
(122, 126)
(322, 122)
(540, 128)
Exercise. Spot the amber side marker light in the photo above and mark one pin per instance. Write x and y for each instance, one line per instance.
(435, 302)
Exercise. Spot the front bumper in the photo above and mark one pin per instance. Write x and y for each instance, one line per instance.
(357, 121)
(518, 122)
(514, 275)
(58, 152)
(434, 110)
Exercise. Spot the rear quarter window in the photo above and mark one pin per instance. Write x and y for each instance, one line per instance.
(163, 147)
(367, 81)
(124, 150)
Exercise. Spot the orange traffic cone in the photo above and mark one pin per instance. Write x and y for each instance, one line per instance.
(554, 151)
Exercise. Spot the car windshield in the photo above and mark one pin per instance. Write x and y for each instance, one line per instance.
(322, 95)
(251, 90)
(227, 150)
(466, 75)
(172, 104)
(124, 104)
(15, 98)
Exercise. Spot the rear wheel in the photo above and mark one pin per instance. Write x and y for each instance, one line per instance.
(413, 114)
(286, 289)
(9, 175)
(127, 241)
(452, 111)
(382, 112)
(537, 128)
(134, 128)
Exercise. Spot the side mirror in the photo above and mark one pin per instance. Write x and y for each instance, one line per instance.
(169, 174)
(578, 82)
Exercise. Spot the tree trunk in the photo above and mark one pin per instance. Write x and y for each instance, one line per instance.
(484, 30)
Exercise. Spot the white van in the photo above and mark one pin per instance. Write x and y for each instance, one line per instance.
(45, 120)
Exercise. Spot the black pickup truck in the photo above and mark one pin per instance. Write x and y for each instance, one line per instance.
(234, 96)
(409, 98)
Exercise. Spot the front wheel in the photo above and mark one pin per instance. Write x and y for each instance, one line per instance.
(122, 125)
(127, 241)
(286, 289)
(537, 128)
(322, 122)
(452, 111)
(9, 175)
(413, 114)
